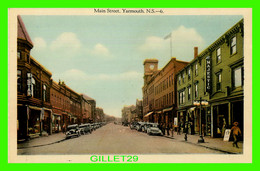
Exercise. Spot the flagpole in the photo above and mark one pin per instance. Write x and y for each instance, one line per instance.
(171, 45)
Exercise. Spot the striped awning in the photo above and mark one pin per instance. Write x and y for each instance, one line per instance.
(148, 114)
(167, 109)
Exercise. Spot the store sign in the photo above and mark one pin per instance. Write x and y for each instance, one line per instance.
(208, 74)
(227, 135)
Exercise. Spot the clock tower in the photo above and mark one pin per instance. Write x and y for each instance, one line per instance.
(150, 66)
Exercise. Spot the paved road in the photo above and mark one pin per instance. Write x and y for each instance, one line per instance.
(117, 139)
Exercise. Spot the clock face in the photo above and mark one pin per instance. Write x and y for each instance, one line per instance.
(151, 67)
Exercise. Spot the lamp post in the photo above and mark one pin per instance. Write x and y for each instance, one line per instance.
(200, 103)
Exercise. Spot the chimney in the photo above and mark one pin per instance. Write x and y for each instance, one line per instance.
(195, 52)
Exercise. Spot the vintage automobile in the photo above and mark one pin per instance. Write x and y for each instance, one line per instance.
(72, 130)
(139, 126)
(133, 125)
(145, 127)
(85, 128)
(152, 129)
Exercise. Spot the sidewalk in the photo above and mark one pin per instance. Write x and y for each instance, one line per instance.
(211, 143)
(42, 140)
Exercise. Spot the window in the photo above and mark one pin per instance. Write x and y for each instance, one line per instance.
(196, 69)
(29, 84)
(218, 81)
(189, 73)
(179, 80)
(18, 55)
(182, 97)
(196, 90)
(218, 55)
(44, 93)
(238, 74)
(189, 92)
(19, 80)
(33, 87)
(233, 47)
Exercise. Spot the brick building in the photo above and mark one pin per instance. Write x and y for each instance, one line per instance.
(159, 90)
(33, 90)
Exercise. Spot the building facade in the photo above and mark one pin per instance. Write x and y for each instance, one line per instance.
(129, 114)
(33, 90)
(43, 105)
(159, 90)
(215, 76)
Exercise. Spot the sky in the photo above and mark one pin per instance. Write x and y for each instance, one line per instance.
(102, 56)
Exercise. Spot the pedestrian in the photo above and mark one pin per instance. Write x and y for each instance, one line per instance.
(163, 128)
(64, 128)
(172, 128)
(179, 128)
(168, 129)
(236, 132)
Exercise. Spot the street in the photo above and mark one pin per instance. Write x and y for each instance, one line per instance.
(111, 139)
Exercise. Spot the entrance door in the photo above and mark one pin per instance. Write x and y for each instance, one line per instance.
(220, 114)
(238, 114)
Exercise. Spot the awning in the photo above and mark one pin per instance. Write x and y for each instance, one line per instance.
(192, 109)
(167, 109)
(148, 114)
(35, 108)
(158, 112)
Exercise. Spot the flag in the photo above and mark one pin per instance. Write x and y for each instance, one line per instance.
(168, 36)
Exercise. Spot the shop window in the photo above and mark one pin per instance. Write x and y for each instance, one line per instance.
(218, 81)
(233, 47)
(19, 80)
(238, 74)
(218, 55)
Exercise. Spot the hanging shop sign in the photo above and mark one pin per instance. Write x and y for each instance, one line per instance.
(208, 74)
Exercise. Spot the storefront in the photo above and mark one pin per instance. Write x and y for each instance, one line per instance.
(56, 122)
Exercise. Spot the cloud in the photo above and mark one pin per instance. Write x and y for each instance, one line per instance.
(183, 42)
(39, 43)
(100, 51)
(75, 74)
(66, 43)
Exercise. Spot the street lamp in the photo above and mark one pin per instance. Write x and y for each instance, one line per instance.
(200, 103)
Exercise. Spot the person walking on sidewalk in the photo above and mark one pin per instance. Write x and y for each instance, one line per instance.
(236, 132)
(168, 129)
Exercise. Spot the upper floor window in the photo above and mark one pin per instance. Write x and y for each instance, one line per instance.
(233, 45)
(189, 72)
(196, 90)
(218, 55)
(19, 80)
(238, 76)
(196, 69)
(218, 81)
(179, 79)
(189, 92)
(183, 77)
(33, 90)
(44, 93)
(18, 55)
(182, 97)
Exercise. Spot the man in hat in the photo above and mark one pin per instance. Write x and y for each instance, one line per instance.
(236, 132)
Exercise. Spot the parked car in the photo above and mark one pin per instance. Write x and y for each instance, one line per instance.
(85, 128)
(73, 130)
(145, 127)
(140, 126)
(153, 129)
(133, 125)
